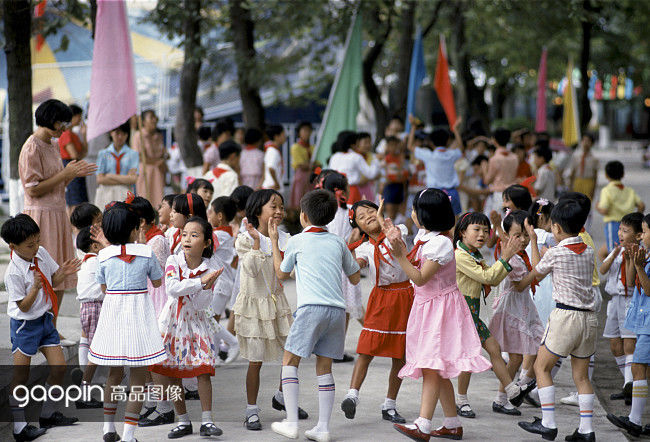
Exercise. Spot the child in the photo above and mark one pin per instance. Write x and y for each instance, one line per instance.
(273, 168)
(396, 174)
(621, 340)
(501, 170)
(441, 339)
(164, 212)
(540, 219)
(364, 147)
(224, 177)
(117, 168)
(251, 162)
(318, 258)
(545, 183)
(389, 305)
(523, 170)
(262, 313)
(184, 206)
(572, 325)
(202, 188)
(474, 278)
(301, 153)
(354, 166)
(639, 267)
(184, 326)
(127, 333)
(29, 279)
(85, 215)
(616, 200)
(240, 197)
(583, 169)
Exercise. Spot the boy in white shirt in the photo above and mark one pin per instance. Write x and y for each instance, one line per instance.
(224, 177)
(273, 170)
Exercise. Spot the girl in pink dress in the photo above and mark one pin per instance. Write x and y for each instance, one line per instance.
(441, 339)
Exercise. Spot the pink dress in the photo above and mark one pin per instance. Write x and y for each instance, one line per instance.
(160, 247)
(39, 161)
(516, 324)
(251, 167)
(440, 334)
(156, 167)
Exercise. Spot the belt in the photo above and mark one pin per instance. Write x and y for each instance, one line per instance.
(570, 307)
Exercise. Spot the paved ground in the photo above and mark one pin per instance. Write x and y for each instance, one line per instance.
(229, 395)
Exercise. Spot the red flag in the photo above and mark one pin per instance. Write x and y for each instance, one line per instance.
(39, 10)
(540, 120)
(442, 85)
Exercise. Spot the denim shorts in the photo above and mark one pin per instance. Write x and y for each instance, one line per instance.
(28, 335)
(317, 329)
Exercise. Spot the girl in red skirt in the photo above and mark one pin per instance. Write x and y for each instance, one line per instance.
(389, 305)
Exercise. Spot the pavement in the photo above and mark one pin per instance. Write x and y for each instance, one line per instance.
(229, 400)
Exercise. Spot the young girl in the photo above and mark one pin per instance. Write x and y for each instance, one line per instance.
(540, 218)
(441, 340)
(301, 153)
(545, 183)
(396, 174)
(202, 188)
(164, 211)
(262, 313)
(184, 206)
(389, 305)
(127, 333)
(184, 326)
(474, 278)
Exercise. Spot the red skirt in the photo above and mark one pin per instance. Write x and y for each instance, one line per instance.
(384, 326)
(179, 372)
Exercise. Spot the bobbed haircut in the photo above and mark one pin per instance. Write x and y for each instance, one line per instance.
(334, 182)
(569, 215)
(169, 199)
(124, 128)
(118, 223)
(467, 220)
(76, 110)
(51, 111)
(182, 205)
(18, 228)
(84, 214)
(253, 135)
(84, 240)
(274, 130)
(199, 183)
(363, 136)
(144, 209)
(240, 196)
(224, 125)
(615, 170)
(256, 202)
(519, 195)
(544, 152)
(502, 136)
(303, 124)
(346, 140)
(355, 207)
(634, 220)
(433, 210)
(538, 209)
(440, 137)
(205, 132)
(225, 205)
(515, 217)
(228, 148)
(319, 206)
(207, 234)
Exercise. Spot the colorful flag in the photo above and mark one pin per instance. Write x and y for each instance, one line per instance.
(570, 122)
(112, 80)
(416, 76)
(343, 103)
(39, 10)
(442, 84)
(540, 118)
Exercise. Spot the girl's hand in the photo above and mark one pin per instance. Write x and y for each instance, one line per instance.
(97, 235)
(380, 214)
(71, 266)
(530, 230)
(495, 218)
(252, 231)
(394, 236)
(355, 236)
(273, 231)
(209, 279)
(511, 248)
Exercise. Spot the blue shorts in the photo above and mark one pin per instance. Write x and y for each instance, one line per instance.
(611, 234)
(317, 329)
(642, 350)
(394, 193)
(29, 335)
(455, 200)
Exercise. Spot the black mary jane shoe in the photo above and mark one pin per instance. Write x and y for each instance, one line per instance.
(393, 417)
(111, 437)
(57, 420)
(160, 419)
(29, 432)
(180, 431)
(536, 427)
(620, 396)
(210, 430)
(625, 423)
(498, 408)
(92, 403)
(577, 436)
(465, 411)
(302, 414)
(525, 389)
(148, 411)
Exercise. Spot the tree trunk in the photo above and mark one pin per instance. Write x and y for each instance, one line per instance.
(586, 24)
(17, 16)
(404, 61)
(242, 27)
(186, 135)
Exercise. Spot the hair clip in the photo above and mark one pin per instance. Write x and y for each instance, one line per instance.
(318, 170)
(543, 202)
(190, 203)
(109, 205)
(351, 214)
(507, 213)
(129, 197)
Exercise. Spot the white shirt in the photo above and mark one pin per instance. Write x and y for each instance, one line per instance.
(88, 289)
(390, 272)
(614, 285)
(169, 234)
(355, 167)
(340, 225)
(224, 180)
(272, 160)
(197, 297)
(437, 247)
(222, 256)
(19, 280)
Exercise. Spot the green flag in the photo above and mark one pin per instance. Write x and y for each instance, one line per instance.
(343, 103)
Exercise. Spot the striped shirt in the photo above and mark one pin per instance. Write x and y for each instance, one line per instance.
(572, 273)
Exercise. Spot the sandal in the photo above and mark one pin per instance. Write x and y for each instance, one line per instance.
(465, 411)
(253, 423)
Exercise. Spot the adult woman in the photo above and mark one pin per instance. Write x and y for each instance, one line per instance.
(74, 147)
(44, 179)
(301, 153)
(153, 157)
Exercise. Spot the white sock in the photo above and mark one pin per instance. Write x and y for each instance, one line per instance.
(639, 397)
(83, 352)
(353, 394)
(389, 404)
(18, 414)
(130, 424)
(190, 384)
(206, 417)
(290, 389)
(523, 379)
(512, 389)
(184, 419)
(461, 399)
(164, 407)
(225, 335)
(586, 403)
(326, 392)
(451, 422)
(423, 424)
(279, 397)
(592, 364)
(628, 369)
(109, 417)
(48, 405)
(547, 399)
(620, 363)
(501, 398)
(556, 368)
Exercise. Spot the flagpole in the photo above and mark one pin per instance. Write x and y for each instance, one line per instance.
(142, 155)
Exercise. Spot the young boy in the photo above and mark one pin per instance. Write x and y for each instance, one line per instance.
(29, 279)
(318, 258)
(621, 340)
(273, 169)
(572, 325)
(85, 215)
(501, 171)
(224, 177)
(615, 201)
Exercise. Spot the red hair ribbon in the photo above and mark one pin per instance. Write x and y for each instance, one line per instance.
(129, 197)
(109, 205)
(318, 170)
(464, 216)
(189, 180)
(351, 214)
(190, 203)
(340, 196)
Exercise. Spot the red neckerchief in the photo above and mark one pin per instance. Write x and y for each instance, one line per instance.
(414, 252)
(123, 256)
(441, 149)
(207, 146)
(153, 231)
(623, 274)
(577, 248)
(503, 152)
(353, 245)
(181, 299)
(88, 256)
(529, 267)
(250, 147)
(619, 185)
(227, 229)
(47, 287)
(303, 143)
(314, 229)
(270, 145)
(378, 255)
(218, 171)
(118, 159)
(176, 240)
(497, 249)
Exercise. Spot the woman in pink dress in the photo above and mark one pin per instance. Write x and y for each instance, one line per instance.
(44, 179)
(441, 339)
(152, 159)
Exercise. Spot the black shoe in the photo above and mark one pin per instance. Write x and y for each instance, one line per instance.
(253, 423)
(92, 403)
(223, 355)
(532, 401)
(617, 396)
(192, 395)
(57, 420)
(346, 358)
(624, 423)
(627, 390)
(498, 408)
(519, 399)
(393, 417)
(160, 419)
(302, 414)
(76, 375)
(111, 437)
(180, 431)
(646, 430)
(227, 313)
(30, 432)
(349, 407)
(210, 430)
(465, 411)
(148, 412)
(536, 427)
(589, 437)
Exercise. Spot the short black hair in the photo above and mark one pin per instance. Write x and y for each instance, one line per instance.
(169, 199)
(145, 112)
(118, 223)
(355, 207)
(228, 148)
(539, 208)
(256, 201)
(84, 214)
(319, 206)
(398, 118)
(124, 127)
(433, 210)
(207, 233)
(144, 209)
(224, 125)
(240, 196)
(51, 111)
(519, 195)
(18, 228)
(544, 152)
(76, 110)
(581, 199)
(199, 109)
(84, 241)
(303, 124)
(479, 159)
(502, 136)
(273, 131)
(569, 215)
(253, 135)
(199, 183)
(337, 182)
(465, 221)
(182, 205)
(515, 217)
(440, 137)
(225, 205)
(615, 170)
(205, 132)
(634, 220)
(590, 136)
(362, 135)
(346, 139)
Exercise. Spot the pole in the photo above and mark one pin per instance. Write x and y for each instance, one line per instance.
(143, 158)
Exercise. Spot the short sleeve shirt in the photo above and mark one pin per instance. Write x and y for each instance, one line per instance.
(107, 163)
(437, 247)
(272, 160)
(389, 270)
(66, 138)
(439, 166)
(619, 200)
(117, 274)
(19, 280)
(87, 287)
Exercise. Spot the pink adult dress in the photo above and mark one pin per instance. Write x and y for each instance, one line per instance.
(38, 161)
(155, 169)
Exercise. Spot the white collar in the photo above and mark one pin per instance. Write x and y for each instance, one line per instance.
(24, 265)
(425, 236)
(265, 241)
(185, 270)
(131, 249)
(317, 227)
(225, 166)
